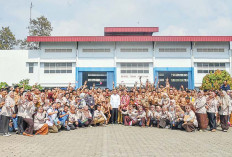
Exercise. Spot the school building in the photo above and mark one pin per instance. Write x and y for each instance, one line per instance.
(122, 55)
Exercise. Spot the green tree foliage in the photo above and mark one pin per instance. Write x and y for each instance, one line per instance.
(38, 27)
(25, 83)
(7, 39)
(215, 80)
(3, 84)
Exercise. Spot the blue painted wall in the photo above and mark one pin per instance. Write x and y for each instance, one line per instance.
(111, 75)
(190, 71)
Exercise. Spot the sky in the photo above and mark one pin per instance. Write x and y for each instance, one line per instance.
(89, 17)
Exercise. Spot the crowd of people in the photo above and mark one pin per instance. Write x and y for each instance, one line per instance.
(39, 112)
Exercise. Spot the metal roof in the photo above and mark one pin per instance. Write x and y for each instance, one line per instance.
(125, 38)
(131, 29)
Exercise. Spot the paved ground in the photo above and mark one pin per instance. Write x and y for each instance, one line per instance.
(118, 140)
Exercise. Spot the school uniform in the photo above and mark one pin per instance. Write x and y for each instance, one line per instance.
(201, 114)
(6, 114)
(99, 117)
(211, 112)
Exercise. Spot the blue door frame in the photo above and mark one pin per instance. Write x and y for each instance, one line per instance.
(111, 75)
(190, 71)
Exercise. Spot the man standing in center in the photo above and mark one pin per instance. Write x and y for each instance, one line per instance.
(115, 102)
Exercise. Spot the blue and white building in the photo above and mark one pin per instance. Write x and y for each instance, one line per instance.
(122, 55)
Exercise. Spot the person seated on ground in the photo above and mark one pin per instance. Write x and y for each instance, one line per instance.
(86, 117)
(178, 119)
(164, 120)
(63, 118)
(99, 117)
(53, 122)
(130, 116)
(40, 126)
(72, 119)
(190, 120)
(141, 117)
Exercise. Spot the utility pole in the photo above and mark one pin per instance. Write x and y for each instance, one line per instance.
(30, 12)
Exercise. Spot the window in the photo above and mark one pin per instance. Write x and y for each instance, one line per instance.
(210, 50)
(135, 68)
(96, 50)
(134, 50)
(57, 68)
(210, 67)
(172, 50)
(58, 50)
(31, 67)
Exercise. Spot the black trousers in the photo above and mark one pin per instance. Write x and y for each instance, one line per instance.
(5, 124)
(212, 120)
(20, 124)
(114, 115)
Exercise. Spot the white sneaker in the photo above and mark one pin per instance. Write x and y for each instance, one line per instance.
(9, 134)
(6, 135)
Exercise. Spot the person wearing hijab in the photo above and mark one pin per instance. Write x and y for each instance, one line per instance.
(21, 109)
(224, 104)
(212, 109)
(40, 126)
(28, 115)
(7, 112)
(201, 114)
(190, 121)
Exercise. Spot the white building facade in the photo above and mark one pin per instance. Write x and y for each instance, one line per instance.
(121, 56)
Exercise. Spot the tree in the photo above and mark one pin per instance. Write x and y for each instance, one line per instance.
(7, 39)
(38, 27)
(25, 83)
(3, 85)
(215, 80)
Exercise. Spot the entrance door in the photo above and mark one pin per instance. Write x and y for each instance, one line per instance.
(176, 78)
(99, 78)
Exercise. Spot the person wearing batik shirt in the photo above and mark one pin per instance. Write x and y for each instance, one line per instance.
(130, 116)
(125, 100)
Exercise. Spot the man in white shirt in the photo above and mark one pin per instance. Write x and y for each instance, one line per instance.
(115, 102)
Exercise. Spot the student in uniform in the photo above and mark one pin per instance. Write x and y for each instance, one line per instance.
(40, 126)
(7, 112)
(99, 117)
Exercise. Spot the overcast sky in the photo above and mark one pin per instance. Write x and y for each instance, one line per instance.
(89, 17)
